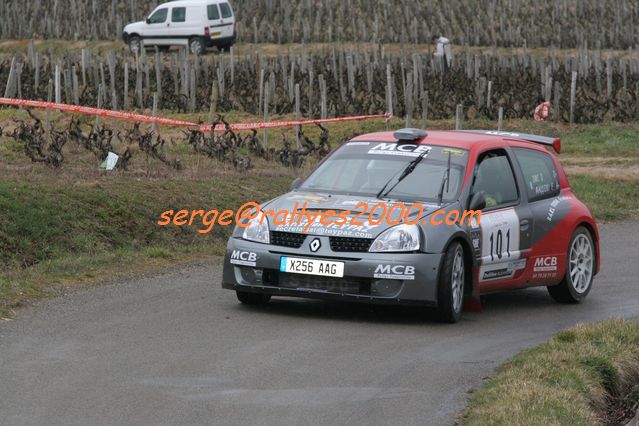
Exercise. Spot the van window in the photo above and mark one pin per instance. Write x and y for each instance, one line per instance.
(158, 17)
(213, 11)
(178, 14)
(226, 10)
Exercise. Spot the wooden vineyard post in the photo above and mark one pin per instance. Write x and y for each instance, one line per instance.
(47, 126)
(323, 98)
(36, 76)
(154, 126)
(297, 115)
(409, 101)
(74, 85)
(459, 117)
(389, 93)
(213, 108)
(556, 111)
(99, 105)
(8, 91)
(58, 89)
(158, 73)
(424, 110)
(126, 85)
(261, 98)
(573, 93)
(266, 102)
(489, 97)
(192, 91)
(500, 119)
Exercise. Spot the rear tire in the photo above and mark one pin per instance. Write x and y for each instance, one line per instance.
(580, 269)
(196, 46)
(135, 44)
(253, 299)
(452, 280)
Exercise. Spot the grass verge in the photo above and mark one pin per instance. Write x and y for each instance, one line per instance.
(586, 375)
(60, 232)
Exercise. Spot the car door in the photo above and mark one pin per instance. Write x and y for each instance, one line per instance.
(156, 26)
(502, 237)
(542, 188)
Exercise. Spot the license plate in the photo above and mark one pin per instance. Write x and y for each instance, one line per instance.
(325, 268)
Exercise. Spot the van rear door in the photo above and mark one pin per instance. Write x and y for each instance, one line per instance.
(221, 20)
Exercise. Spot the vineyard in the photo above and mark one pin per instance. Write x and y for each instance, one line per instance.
(560, 23)
(584, 87)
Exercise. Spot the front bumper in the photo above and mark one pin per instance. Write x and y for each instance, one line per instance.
(255, 268)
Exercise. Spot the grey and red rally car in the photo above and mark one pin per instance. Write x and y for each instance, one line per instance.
(531, 230)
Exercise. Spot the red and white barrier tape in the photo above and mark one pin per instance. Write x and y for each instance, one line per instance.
(141, 118)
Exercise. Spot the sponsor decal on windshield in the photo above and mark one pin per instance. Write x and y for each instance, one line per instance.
(404, 149)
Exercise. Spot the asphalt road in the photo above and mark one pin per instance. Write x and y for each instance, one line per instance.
(177, 349)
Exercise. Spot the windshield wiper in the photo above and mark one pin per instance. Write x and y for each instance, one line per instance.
(445, 181)
(405, 172)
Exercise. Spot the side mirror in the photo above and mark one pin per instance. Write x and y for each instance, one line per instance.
(148, 20)
(478, 202)
(296, 184)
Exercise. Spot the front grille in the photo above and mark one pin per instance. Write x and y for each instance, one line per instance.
(287, 239)
(350, 244)
(345, 285)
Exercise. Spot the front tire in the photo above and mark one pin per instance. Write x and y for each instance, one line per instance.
(452, 280)
(253, 299)
(135, 44)
(196, 46)
(580, 270)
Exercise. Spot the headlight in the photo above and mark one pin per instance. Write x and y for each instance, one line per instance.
(257, 230)
(398, 238)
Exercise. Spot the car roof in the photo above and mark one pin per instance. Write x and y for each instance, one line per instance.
(474, 142)
(189, 2)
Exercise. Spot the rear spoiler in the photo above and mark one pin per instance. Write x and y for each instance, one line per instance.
(555, 143)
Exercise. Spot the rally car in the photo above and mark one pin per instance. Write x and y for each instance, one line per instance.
(532, 230)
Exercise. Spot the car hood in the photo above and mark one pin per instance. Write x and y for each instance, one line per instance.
(134, 26)
(301, 207)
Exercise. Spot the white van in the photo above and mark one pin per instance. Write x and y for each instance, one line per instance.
(197, 24)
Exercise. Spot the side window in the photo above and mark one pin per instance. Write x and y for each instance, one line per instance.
(178, 14)
(158, 17)
(540, 174)
(495, 177)
(226, 10)
(213, 12)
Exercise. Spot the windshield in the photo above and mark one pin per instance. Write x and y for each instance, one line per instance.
(363, 168)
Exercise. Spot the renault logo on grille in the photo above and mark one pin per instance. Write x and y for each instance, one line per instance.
(315, 245)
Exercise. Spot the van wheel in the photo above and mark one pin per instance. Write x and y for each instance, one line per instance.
(580, 269)
(135, 44)
(196, 46)
(252, 298)
(452, 279)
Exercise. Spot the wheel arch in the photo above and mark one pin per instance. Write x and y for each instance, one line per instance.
(469, 259)
(595, 239)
